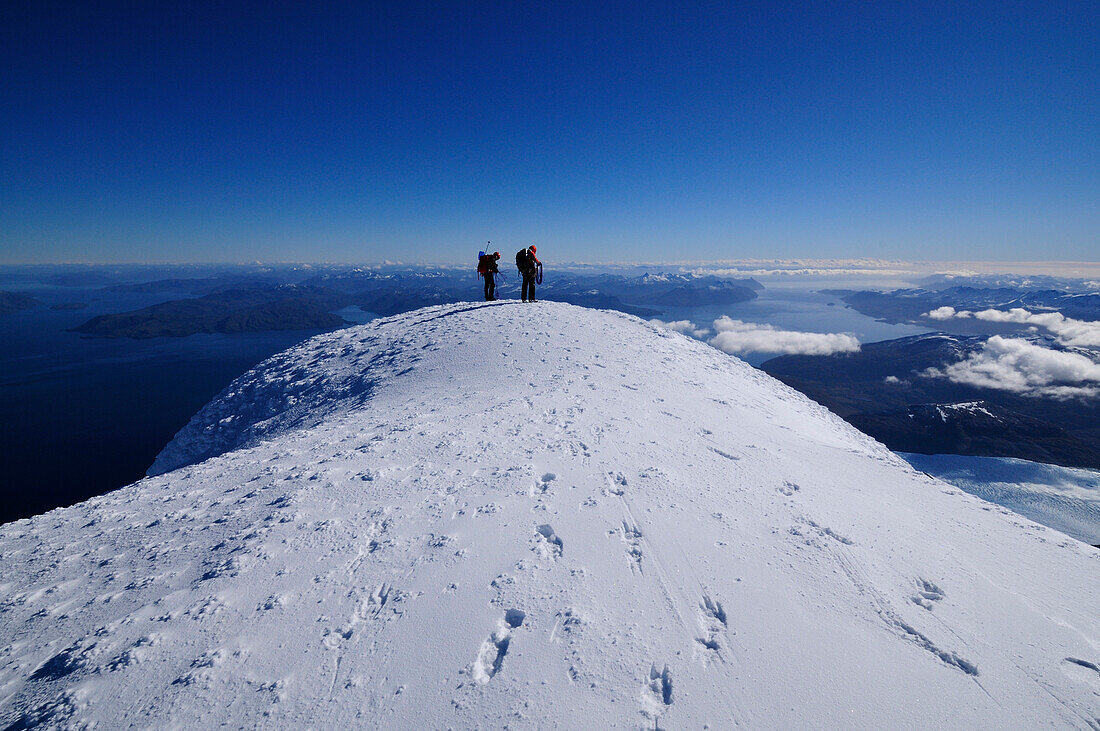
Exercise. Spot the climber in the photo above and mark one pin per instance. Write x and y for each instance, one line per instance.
(487, 267)
(530, 268)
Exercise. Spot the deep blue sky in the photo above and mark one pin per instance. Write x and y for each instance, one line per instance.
(152, 131)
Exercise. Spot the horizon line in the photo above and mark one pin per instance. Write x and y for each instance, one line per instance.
(617, 262)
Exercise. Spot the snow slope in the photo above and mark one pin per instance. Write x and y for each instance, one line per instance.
(481, 515)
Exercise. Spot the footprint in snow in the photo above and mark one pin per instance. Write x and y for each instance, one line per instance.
(713, 609)
(788, 488)
(712, 621)
(632, 536)
(616, 483)
(543, 483)
(927, 593)
(547, 542)
(490, 657)
(829, 532)
(660, 684)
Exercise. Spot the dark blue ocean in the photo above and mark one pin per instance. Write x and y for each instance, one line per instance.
(80, 416)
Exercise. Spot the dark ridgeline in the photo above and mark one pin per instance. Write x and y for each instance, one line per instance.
(881, 391)
(265, 306)
(258, 308)
(910, 305)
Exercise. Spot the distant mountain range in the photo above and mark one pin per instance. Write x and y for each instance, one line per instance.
(237, 303)
(252, 309)
(391, 293)
(881, 390)
(910, 305)
(976, 428)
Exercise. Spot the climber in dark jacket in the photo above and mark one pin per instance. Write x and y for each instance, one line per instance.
(528, 264)
(487, 267)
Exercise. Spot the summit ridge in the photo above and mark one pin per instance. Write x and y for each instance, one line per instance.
(538, 515)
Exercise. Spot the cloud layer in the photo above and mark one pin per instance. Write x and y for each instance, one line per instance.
(682, 326)
(802, 272)
(736, 336)
(1077, 333)
(1023, 367)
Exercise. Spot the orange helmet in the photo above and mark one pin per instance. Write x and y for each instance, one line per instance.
(496, 254)
(534, 248)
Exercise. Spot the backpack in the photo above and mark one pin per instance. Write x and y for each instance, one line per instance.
(522, 262)
(482, 263)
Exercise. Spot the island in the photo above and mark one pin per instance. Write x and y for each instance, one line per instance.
(255, 309)
(15, 301)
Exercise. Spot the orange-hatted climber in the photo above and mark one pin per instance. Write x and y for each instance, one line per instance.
(530, 268)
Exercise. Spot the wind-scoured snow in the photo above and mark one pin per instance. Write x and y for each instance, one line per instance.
(481, 515)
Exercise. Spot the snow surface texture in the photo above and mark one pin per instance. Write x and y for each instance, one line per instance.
(1064, 498)
(538, 515)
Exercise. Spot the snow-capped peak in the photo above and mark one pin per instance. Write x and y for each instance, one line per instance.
(973, 407)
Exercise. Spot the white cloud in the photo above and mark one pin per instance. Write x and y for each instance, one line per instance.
(683, 326)
(1020, 315)
(1078, 333)
(735, 336)
(945, 313)
(1020, 366)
